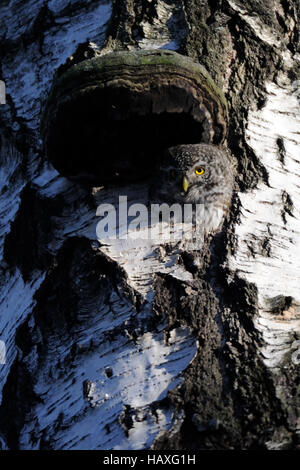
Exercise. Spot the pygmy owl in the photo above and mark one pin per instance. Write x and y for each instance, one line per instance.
(197, 174)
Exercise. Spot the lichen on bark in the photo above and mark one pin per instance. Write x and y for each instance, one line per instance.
(240, 302)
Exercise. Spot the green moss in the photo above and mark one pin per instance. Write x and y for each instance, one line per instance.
(163, 60)
(139, 70)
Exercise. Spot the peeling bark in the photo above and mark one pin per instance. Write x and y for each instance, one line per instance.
(84, 347)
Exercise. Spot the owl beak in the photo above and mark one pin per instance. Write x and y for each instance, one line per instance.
(185, 184)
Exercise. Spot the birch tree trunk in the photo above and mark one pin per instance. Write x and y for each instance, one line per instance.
(214, 363)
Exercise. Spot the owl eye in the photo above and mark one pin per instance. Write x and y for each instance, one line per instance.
(200, 171)
(173, 174)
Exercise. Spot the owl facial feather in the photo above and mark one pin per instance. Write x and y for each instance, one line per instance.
(179, 181)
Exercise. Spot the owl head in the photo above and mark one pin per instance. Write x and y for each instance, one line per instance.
(195, 173)
(200, 174)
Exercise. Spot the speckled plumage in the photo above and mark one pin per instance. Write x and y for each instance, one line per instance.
(213, 189)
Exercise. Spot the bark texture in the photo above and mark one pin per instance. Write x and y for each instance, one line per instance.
(212, 361)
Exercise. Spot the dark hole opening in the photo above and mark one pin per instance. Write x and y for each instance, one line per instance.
(120, 136)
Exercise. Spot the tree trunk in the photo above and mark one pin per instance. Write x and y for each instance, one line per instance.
(212, 362)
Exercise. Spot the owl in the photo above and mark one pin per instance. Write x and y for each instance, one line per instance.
(197, 174)
(194, 175)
